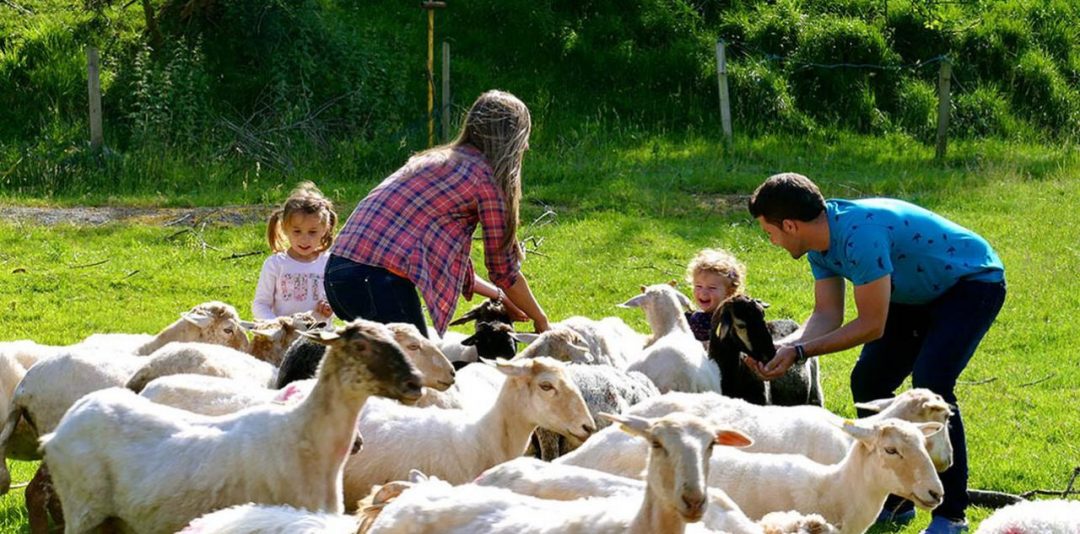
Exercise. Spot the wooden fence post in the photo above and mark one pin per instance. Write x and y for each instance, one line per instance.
(725, 102)
(93, 83)
(944, 77)
(446, 92)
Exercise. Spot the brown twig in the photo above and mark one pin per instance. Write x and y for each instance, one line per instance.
(1064, 493)
(129, 275)
(96, 263)
(170, 237)
(236, 256)
(1039, 381)
(977, 382)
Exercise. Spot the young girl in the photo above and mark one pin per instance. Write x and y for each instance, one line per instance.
(299, 233)
(414, 230)
(715, 275)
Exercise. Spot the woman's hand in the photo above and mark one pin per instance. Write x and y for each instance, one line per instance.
(512, 310)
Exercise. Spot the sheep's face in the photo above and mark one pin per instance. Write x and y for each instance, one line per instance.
(740, 320)
(367, 360)
(560, 342)
(493, 340)
(659, 300)
(920, 405)
(680, 448)
(554, 400)
(488, 311)
(902, 464)
(270, 339)
(217, 323)
(436, 371)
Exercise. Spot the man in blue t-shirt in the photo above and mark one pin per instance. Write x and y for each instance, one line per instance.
(926, 291)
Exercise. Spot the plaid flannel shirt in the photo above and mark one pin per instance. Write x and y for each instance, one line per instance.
(419, 222)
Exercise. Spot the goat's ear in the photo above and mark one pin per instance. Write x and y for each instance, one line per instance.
(673, 283)
(322, 336)
(683, 299)
(469, 341)
(524, 337)
(762, 303)
(514, 367)
(468, 316)
(733, 438)
(272, 333)
(631, 424)
(858, 431)
(197, 318)
(875, 405)
(931, 428)
(723, 325)
(634, 302)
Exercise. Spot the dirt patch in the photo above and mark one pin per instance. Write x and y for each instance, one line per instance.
(722, 203)
(87, 216)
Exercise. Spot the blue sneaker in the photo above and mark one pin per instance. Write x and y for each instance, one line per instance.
(893, 518)
(944, 525)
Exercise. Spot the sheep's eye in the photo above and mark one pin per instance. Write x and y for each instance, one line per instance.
(228, 330)
(546, 387)
(657, 445)
(740, 324)
(414, 346)
(890, 450)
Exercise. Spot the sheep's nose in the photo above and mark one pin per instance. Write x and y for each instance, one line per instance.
(589, 429)
(694, 503)
(935, 496)
(453, 373)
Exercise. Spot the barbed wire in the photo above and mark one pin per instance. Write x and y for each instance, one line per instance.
(757, 53)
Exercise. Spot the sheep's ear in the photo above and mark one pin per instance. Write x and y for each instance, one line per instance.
(875, 406)
(762, 303)
(469, 341)
(723, 326)
(631, 424)
(581, 349)
(322, 336)
(524, 337)
(858, 431)
(468, 316)
(683, 299)
(247, 325)
(271, 333)
(416, 476)
(197, 318)
(515, 367)
(931, 428)
(673, 283)
(733, 438)
(936, 406)
(634, 302)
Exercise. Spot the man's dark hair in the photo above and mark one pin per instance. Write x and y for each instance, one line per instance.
(786, 196)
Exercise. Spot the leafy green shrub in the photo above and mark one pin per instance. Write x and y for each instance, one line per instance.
(981, 112)
(42, 74)
(912, 35)
(761, 100)
(847, 95)
(1041, 93)
(917, 110)
(775, 29)
(170, 97)
(988, 50)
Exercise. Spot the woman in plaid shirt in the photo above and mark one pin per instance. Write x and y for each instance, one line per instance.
(414, 230)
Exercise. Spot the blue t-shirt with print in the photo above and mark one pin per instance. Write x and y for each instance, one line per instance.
(925, 253)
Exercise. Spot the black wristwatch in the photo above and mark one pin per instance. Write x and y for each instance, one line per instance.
(800, 354)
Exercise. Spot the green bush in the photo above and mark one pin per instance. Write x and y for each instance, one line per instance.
(761, 100)
(912, 36)
(1042, 95)
(776, 27)
(988, 50)
(917, 110)
(845, 95)
(981, 112)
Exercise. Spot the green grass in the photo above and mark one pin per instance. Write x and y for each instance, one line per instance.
(631, 209)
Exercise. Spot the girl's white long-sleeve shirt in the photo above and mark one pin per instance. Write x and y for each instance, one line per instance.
(287, 286)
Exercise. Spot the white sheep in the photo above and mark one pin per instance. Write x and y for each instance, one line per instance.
(889, 458)
(203, 359)
(155, 468)
(544, 480)
(457, 445)
(1054, 516)
(675, 360)
(210, 322)
(263, 519)
(580, 339)
(674, 494)
(807, 430)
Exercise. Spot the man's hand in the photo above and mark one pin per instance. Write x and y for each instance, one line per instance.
(323, 310)
(785, 357)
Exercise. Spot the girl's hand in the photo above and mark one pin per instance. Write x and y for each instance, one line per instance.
(323, 309)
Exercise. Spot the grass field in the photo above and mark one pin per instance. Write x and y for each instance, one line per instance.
(631, 209)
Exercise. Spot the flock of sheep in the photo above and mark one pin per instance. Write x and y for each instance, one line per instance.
(593, 427)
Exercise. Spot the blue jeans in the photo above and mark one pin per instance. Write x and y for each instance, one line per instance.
(373, 293)
(933, 343)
